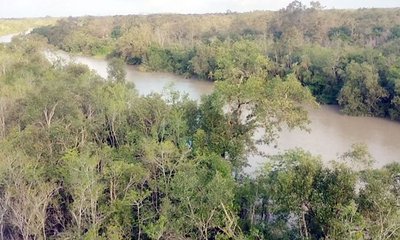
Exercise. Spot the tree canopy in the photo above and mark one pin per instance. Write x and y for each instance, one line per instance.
(82, 157)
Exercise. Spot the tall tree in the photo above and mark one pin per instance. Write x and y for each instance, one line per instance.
(361, 93)
(116, 70)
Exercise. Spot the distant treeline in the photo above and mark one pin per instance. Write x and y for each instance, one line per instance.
(17, 25)
(345, 57)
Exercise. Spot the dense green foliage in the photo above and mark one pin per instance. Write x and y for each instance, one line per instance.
(321, 47)
(85, 158)
(296, 197)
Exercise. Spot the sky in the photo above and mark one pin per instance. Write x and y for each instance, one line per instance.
(62, 8)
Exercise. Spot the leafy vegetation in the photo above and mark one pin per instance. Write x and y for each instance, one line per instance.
(85, 158)
(82, 157)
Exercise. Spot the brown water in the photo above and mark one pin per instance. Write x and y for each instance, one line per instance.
(331, 134)
(146, 82)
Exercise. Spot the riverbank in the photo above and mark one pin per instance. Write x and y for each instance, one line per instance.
(331, 135)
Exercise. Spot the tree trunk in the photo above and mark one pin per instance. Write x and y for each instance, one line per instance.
(48, 114)
(304, 225)
(138, 217)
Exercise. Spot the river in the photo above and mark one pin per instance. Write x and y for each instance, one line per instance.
(145, 82)
(331, 134)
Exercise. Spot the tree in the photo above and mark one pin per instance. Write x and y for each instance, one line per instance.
(116, 32)
(394, 90)
(316, 71)
(113, 101)
(253, 103)
(127, 195)
(82, 181)
(303, 195)
(395, 31)
(294, 175)
(116, 70)
(361, 93)
(205, 201)
(316, 5)
(25, 196)
(379, 201)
